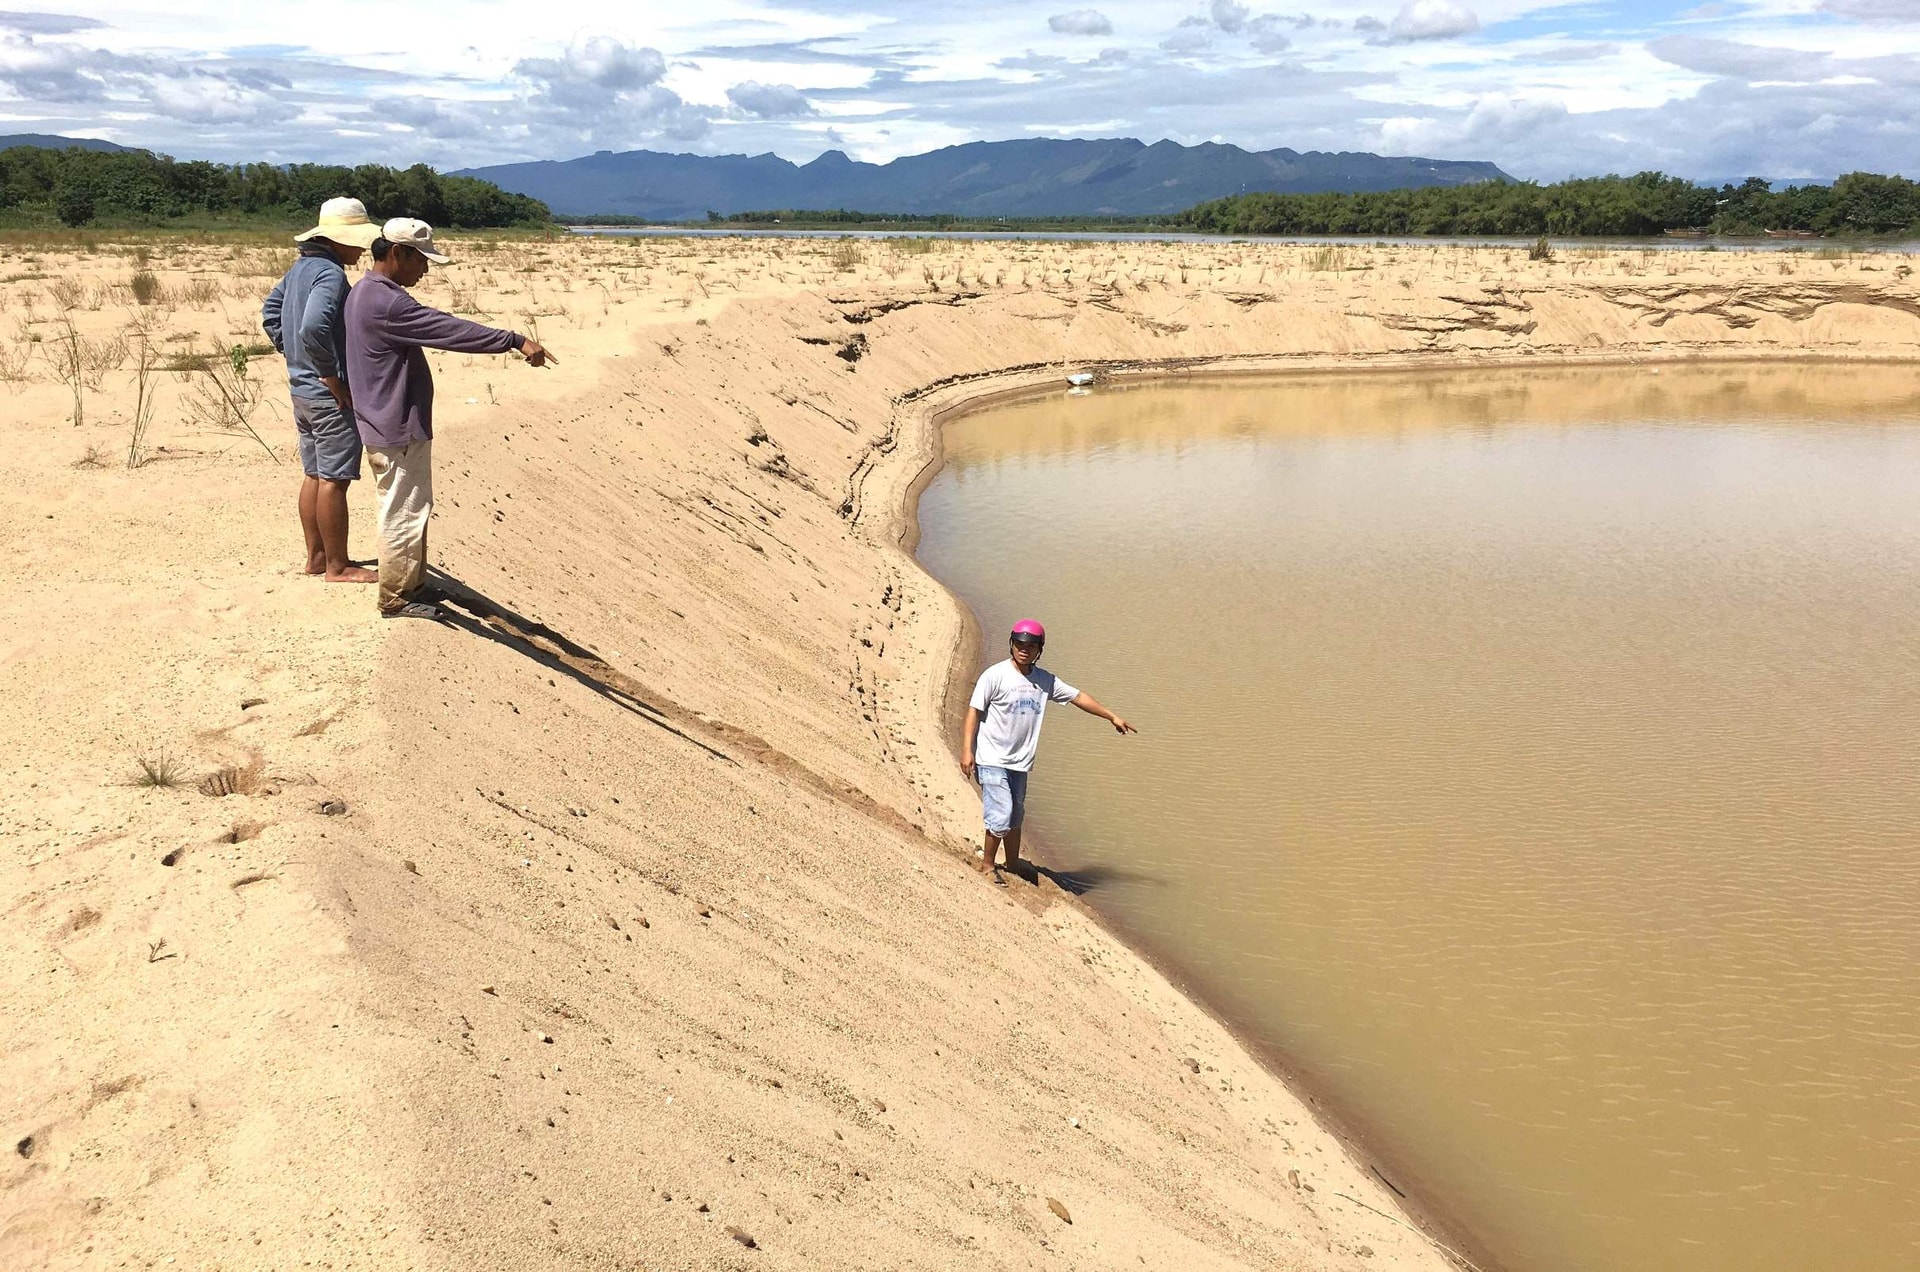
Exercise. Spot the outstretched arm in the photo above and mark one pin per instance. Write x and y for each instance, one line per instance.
(969, 732)
(1087, 704)
(436, 329)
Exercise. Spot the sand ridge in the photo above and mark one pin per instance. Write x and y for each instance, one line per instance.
(648, 932)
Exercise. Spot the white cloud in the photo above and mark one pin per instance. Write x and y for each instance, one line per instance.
(1229, 16)
(770, 101)
(1191, 36)
(1735, 60)
(1432, 20)
(43, 72)
(1264, 33)
(1873, 10)
(1779, 87)
(603, 92)
(203, 98)
(1491, 119)
(1577, 53)
(593, 69)
(47, 23)
(1081, 22)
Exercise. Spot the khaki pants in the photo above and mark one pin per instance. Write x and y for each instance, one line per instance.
(403, 479)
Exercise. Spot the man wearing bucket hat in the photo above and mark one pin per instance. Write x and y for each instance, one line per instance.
(304, 316)
(1002, 734)
(388, 332)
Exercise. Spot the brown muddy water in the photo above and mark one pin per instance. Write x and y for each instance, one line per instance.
(1529, 758)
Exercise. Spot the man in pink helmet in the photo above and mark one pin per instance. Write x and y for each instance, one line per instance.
(1003, 732)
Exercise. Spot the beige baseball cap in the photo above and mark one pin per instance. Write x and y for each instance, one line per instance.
(343, 221)
(415, 234)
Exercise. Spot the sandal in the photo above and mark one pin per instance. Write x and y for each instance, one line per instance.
(414, 609)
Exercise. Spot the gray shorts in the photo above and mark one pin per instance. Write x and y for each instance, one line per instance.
(329, 439)
(1003, 798)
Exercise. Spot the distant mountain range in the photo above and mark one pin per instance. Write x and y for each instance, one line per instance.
(1033, 177)
(47, 141)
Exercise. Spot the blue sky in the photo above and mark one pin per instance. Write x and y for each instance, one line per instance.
(1722, 89)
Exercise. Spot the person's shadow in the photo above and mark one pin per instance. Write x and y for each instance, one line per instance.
(1080, 881)
(470, 610)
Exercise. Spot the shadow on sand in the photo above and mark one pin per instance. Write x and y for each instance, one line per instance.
(1079, 882)
(472, 611)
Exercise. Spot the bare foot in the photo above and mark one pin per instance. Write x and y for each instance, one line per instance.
(317, 564)
(353, 574)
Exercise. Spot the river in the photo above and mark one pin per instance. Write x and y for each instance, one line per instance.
(1528, 758)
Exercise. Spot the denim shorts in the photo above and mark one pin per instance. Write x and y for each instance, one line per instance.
(329, 439)
(1003, 798)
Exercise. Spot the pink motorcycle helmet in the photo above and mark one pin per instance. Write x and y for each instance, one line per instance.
(1028, 632)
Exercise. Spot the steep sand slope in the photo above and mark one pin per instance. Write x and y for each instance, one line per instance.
(650, 923)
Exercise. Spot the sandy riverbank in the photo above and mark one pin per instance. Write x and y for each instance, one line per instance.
(650, 921)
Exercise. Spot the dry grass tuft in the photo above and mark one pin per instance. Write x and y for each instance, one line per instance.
(847, 255)
(223, 393)
(143, 386)
(162, 769)
(13, 361)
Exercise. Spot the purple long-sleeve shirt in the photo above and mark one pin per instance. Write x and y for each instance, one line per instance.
(387, 332)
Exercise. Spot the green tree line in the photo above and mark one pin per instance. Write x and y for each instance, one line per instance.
(1649, 203)
(138, 188)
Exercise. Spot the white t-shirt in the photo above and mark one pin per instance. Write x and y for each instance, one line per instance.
(1010, 707)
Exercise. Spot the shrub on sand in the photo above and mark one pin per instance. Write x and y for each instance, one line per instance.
(160, 769)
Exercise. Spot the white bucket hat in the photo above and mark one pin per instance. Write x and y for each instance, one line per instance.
(415, 234)
(343, 221)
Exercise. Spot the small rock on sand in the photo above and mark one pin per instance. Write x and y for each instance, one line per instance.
(1192, 1064)
(333, 807)
(743, 1238)
(410, 867)
(1059, 1209)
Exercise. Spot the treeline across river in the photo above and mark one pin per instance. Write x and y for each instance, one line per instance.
(849, 219)
(1860, 203)
(139, 189)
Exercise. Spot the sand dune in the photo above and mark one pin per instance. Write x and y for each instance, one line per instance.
(648, 938)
